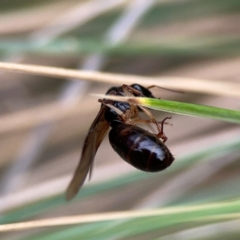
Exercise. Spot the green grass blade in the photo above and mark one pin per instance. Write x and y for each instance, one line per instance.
(189, 109)
(30, 210)
(161, 219)
(204, 46)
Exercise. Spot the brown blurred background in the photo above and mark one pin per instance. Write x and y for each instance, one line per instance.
(44, 120)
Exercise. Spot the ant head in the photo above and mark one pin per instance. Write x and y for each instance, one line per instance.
(142, 90)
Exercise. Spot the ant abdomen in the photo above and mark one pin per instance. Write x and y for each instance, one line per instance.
(141, 149)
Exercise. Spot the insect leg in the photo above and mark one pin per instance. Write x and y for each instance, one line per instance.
(131, 91)
(153, 120)
(140, 120)
(161, 134)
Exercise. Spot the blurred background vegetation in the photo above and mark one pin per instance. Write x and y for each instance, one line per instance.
(41, 139)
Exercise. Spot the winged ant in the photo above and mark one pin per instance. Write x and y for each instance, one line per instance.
(138, 147)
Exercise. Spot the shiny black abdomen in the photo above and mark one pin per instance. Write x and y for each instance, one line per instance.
(140, 148)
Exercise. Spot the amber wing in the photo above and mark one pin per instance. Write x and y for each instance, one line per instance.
(97, 132)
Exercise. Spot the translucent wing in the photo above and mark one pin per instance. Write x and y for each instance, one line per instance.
(97, 132)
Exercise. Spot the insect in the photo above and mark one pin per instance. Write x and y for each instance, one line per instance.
(133, 144)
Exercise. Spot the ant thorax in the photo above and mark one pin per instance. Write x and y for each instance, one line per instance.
(130, 116)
